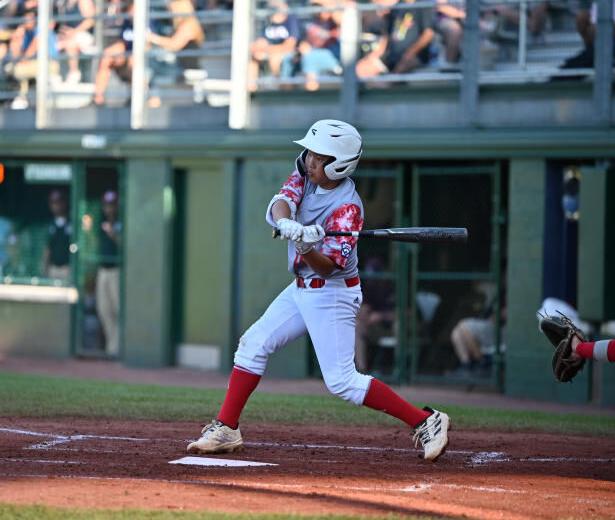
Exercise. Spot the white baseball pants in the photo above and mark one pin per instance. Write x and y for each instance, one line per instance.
(329, 315)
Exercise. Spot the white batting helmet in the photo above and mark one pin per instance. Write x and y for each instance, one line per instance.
(336, 139)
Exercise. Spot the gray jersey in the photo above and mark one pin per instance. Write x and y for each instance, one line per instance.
(339, 209)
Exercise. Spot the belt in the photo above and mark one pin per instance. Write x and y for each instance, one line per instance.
(317, 283)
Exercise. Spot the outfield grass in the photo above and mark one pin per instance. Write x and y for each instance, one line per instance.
(56, 513)
(43, 396)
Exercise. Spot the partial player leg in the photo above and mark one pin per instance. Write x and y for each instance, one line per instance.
(330, 317)
(280, 324)
(603, 350)
(430, 426)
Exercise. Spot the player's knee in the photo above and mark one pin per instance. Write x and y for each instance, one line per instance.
(250, 354)
(351, 387)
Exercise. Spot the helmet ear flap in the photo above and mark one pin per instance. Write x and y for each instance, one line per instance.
(300, 163)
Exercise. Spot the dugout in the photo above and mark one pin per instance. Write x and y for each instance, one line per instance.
(198, 267)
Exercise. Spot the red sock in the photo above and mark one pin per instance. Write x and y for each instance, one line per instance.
(599, 350)
(240, 386)
(382, 397)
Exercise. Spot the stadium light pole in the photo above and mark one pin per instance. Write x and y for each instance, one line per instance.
(239, 109)
(139, 84)
(42, 64)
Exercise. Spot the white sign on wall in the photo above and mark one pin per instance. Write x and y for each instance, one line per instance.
(48, 172)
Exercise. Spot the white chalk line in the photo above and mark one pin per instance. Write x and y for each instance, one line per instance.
(342, 447)
(41, 461)
(477, 458)
(28, 432)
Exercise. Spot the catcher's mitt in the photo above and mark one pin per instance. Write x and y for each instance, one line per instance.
(560, 330)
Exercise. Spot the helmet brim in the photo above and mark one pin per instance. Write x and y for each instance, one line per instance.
(318, 148)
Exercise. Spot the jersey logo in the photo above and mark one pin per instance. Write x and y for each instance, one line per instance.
(313, 131)
(346, 249)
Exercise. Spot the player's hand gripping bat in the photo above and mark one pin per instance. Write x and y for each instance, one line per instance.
(410, 234)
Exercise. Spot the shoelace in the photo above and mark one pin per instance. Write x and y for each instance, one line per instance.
(211, 427)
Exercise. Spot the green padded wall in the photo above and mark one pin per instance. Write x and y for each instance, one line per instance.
(208, 238)
(596, 286)
(149, 210)
(528, 355)
(263, 268)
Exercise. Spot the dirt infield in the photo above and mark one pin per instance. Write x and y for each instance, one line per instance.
(319, 469)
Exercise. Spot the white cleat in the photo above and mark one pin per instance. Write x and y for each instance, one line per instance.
(432, 434)
(217, 437)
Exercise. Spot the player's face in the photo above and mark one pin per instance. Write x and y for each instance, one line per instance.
(315, 165)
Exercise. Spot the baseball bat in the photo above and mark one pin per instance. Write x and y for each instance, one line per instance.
(410, 234)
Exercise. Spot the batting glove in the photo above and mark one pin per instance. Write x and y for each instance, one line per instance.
(289, 229)
(309, 238)
(312, 234)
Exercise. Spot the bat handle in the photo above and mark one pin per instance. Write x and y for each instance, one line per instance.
(275, 233)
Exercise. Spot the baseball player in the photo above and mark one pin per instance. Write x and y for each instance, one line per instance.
(324, 298)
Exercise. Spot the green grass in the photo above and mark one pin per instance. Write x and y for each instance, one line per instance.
(56, 513)
(43, 396)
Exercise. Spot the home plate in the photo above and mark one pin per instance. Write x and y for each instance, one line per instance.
(206, 461)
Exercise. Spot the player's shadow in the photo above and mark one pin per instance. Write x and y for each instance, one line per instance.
(367, 506)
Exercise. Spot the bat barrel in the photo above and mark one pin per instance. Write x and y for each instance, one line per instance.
(420, 234)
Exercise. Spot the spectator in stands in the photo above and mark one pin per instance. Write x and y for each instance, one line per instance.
(278, 39)
(22, 64)
(536, 16)
(585, 58)
(75, 36)
(118, 57)
(108, 277)
(373, 25)
(582, 13)
(319, 51)
(56, 257)
(449, 18)
(187, 33)
(404, 44)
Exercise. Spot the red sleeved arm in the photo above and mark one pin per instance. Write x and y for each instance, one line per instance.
(292, 189)
(345, 218)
